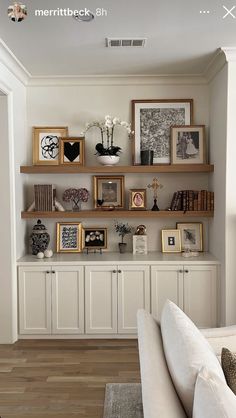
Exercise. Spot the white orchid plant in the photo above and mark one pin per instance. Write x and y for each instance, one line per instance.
(107, 127)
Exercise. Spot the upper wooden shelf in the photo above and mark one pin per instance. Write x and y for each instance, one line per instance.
(168, 168)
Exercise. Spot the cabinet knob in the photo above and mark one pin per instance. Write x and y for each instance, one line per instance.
(180, 271)
(47, 272)
(53, 272)
(113, 271)
(119, 271)
(186, 271)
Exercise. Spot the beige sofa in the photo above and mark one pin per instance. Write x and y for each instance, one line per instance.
(160, 398)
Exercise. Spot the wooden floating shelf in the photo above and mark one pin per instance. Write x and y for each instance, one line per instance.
(168, 168)
(118, 214)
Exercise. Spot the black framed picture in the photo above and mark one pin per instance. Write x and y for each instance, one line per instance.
(95, 238)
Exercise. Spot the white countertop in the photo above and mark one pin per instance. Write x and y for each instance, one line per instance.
(116, 258)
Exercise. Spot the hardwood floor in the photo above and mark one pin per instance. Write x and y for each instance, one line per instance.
(63, 378)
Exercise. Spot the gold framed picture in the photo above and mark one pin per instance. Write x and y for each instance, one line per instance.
(69, 237)
(71, 151)
(171, 241)
(46, 144)
(191, 235)
(188, 144)
(109, 191)
(137, 199)
(95, 238)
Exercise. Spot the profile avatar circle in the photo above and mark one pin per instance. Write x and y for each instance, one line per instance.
(17, 12)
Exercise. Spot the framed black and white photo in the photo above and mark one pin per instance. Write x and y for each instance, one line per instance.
(71, 151)
(151, 123)
(46, 144)
(95, 238)
(191, 235)
(109, 190)
(170, 240)
(69, 237)
(188, 145)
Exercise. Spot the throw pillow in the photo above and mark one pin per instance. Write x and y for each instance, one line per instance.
(186, 351)
(228, 362)
(212, 397)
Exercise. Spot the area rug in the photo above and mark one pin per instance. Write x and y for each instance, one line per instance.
(123, 400)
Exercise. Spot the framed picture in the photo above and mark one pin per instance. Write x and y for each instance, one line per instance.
(151, 123)
(94, 238)
(46, 144)
(191, 235)
(188, 144)
(69, 237)
(109, 190)
(71, 151)
(171, 241)
(137, 199)
(139, 244)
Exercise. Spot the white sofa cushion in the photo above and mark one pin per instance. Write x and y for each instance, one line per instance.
(186, 352)
(212, 397)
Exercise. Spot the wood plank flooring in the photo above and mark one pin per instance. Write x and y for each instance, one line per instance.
(63, 378)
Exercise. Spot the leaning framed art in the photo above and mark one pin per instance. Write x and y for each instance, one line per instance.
(170, 240)
(69, 237)
(110, 191)
(191, 235)
(46, 144)
(71, 151)
(152, 121)
(188, 145)
(95, 238)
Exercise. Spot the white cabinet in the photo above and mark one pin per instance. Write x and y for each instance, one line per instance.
(51, 300)
(113, 292)
(192, 287)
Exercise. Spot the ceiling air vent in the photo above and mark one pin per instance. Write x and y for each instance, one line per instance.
(125, 42)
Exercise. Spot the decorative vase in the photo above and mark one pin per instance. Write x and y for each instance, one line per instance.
(39, 239)
(122, 247)
(108, 159)
(147, 157)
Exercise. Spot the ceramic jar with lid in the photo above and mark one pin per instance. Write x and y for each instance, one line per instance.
(39, 238)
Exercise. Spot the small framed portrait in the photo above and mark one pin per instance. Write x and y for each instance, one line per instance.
(137, 199)
(69, 237)
(95, 238)
(191, 235)
(188, 145)
(46, 144)
(109, 190)
(139, 244)
(171, 241)
(71, 151)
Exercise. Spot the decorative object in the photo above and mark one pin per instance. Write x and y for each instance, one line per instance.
(44, 197)
(71, 151)
(95, 238)
(155, 185)
(69, 237)
(46, 144)
(39, 238)
(48, 253)
(141, 230)
(228, 361)
(188, 145)
(106, 147)
(122, 230)
(171, 241)
(76, 196)
(146, 157)
(151, 122)
(123, 400)
(139, 244)
(110, 189)
(137, 199)
(191, 235)
(40, 255)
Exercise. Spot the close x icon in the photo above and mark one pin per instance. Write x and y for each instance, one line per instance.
(230, 12)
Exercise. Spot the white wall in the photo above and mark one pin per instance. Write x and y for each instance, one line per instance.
(76, 104)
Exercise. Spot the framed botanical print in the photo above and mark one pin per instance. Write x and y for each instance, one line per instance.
(46, 144)
(71, 151)
(152, 121)
(188, 145)
(171, 242)
(109, 190)
(191, 235)
(95, 238)
(137, 199)
(69, 237)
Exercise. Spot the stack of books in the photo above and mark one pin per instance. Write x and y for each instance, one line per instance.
(44, 197)
(192, 200)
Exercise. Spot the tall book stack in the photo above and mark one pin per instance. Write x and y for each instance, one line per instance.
(44, 197)
(192, 200)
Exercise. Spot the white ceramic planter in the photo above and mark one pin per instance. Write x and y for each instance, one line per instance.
(108, 159)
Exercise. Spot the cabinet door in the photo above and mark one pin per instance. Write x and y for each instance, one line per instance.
(200, 292)
(166, 283)
(68, 300)
(34, 300)
(101, 299)
(133, 294)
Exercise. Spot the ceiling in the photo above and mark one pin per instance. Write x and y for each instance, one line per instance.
(180, 39)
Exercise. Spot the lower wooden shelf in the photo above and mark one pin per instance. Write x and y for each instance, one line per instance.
(118, 214)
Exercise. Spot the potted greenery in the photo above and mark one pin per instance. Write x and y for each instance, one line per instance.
(108, 153)
(122, 229)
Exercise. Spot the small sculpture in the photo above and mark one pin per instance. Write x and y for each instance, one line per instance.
(141, 230)
(155, 185)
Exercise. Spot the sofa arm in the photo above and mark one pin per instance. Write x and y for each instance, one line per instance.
(221, 337)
